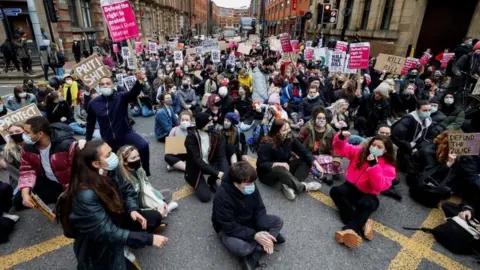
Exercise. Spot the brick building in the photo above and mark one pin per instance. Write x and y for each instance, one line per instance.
(281, 18)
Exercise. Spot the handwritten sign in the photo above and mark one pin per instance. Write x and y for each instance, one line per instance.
(410, 62)
(91, 70)
(464, 144)
(120, 20)
(222, 45)
(178, 57)
(341, 46)
(336, 61)
(216, 56)
(446, 58)
(359, 55)
(175, 145)
(254, 38)
(285, 43)
(244, 49)
(199, 50)
(390, 63)
(378, 47)
(128, 82)
(19, 116)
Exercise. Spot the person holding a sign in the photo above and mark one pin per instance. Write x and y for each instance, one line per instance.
(166, 119)
(177, 161)
(110, 109)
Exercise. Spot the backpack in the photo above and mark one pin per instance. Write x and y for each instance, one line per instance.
(62, 215)
(259, 132)
(52, 58)
(429, 191)
(61, 58)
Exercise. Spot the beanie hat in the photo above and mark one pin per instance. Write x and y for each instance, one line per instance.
(274, 99)
(223, 91)
(202, 119)
(383, 89)
(390, 82)
(434, 100)
(312, 79)
(233, 117)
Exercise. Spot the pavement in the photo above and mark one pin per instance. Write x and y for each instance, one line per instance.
(14, 77)
(309, 226)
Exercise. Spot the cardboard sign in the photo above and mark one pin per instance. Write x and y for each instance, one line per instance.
(42, 207)
(254, 38)
(244, 49)
(464, 144)
(130, 63)
(216, 56)
(138, 47)
(274, 44)
(336, 61)
(125, 52)
(308, 53)
(359, 55)
(341, 46)
(425, 58)
(378, 47)
(446, 58)
(120, 20)
(152, 47)
(285, 43)
(295, 45)
(209, 45)
(175, 145)
(19, 116)
(128, 82)
(222, 45)
(390, 63)
(115, 48)
(410, 62)
(178, 57)
(199, 50)
(91, 70)
(289, 57)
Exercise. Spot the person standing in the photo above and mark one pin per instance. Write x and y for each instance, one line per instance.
(77, 50)
(21, 50)
(9, 55)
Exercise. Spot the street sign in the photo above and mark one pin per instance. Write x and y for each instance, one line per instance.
(11, 12)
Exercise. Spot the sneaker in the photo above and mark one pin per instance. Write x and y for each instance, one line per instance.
(368, 230)
(172, 206)
(289, 193)
(312, 186)
(169, 168)
(12, 217)
(247, 263)
(280, 239)
(328, 180)
(348, 237)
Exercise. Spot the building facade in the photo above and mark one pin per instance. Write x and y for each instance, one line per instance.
(283, 16)
(412, 25)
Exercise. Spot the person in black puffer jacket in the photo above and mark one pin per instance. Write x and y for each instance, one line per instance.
(455, 114)
(439, 120)
(307, 104)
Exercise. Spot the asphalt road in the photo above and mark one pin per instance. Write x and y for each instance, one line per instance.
(309, 226)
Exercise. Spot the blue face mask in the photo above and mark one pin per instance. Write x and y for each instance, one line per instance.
(112, 162)
(424, 115)
(320, 123)
(28, 140)
(248, 190)
(1, 108)
(433, 110)
(376, 152)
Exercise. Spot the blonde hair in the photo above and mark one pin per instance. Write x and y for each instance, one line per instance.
(123, 154)
(337, 116)
(12, 149)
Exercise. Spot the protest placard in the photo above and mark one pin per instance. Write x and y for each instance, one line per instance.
(115, 48)
(425, 58)
(232, 44)
(308, 44)
(222, 45)
(199, 50)
(209, 45)
(119, 77)
(410, 62)
(295, 45)
(125, 52)
(446, 58)
(172, 45)
(290, 57)
(215, 56)
(320, 54)
(152, 47)
(285, 43)
(178, 57)
(138, 47)
(130, 63)
(274, 44)
(254, 38)
(359, 55)
(237, 39)
(346, 68)
(336, 61)
(91, 70)
(378, 47)
(120, 20)
(42, 207)
(128, 82)
(96, 49)
(341, 46)
(464, 144)
(180, 46)
(19, 116)
(175, 145)
(390, 63)
(308, 53)
(244, 49)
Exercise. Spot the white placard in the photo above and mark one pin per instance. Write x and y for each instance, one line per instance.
(125, 52)
(130, 63)
(216, 56)
(178, 57)
(152, 47)
(345, 65)
(129, 82)
(336, 61)
(199, 50)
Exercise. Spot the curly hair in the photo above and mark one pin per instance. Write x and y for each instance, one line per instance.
(441, 145)
(389, 154)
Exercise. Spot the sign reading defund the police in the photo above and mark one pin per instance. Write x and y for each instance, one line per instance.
(464, 144)
(91, 70)
(18, 116)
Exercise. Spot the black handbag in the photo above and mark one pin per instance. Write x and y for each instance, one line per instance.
(430, 192)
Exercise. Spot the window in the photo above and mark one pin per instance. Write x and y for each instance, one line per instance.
(72, 11)
(366, 13)
(288, 3)
(86, 13)
(281, 5)
(387, 14)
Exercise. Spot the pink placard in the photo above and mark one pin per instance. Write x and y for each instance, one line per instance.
(295, 45)
(120, 20)
(231, 44)
(446, 58)
(308, 53)
(115, 48)
(341, 46)
(138, 47)
(410, 62)
(425, 58)
(359, 55)
(285, 42)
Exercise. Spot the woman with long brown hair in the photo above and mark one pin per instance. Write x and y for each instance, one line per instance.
(101, 208)
(274, 163)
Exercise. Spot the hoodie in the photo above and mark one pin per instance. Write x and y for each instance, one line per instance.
(409, 131)
(260, 85)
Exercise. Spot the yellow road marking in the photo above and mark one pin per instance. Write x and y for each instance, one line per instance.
(26, 254)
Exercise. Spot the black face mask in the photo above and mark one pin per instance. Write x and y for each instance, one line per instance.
(217, 104)
(135, 164)
(17, 138)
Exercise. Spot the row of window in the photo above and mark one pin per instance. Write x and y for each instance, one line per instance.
(86, 13)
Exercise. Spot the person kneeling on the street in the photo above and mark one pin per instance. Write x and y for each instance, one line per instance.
(102, 213)
(235, 142)
(240, 218)
(371, 171)
(166, 118)
(177, 161)
(274, 164)
(205, 155)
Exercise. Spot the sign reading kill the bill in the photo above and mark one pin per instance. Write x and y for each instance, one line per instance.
(91, 70)
(390, 63)
(464, 144)
(19, 116)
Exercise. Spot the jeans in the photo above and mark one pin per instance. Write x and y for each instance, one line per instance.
(132, 138)
(59, 72)
(145, 111)
(204, 190)
(355, 140)
(299, 171)
(153, 217)
(241, 248)
(45, 71)
(355, 207)
(77, 129)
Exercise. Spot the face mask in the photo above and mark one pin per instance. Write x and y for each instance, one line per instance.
(185, 70)
(112, 162)
(232, 69)
(286, 135)
(27, 139)
(17, 138)
(184, 125)
(168, 102)
(217, 104)
(376, 152)
(248, 190)
(22, 95)
(106, 91)
(227, 125)
(135, 164)
(424, 115)
(448, 101)
(69, 82)
(310, 97)
(1, 108)
(87, 93)
(320, 123)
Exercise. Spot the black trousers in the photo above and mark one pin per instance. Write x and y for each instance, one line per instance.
(26, 65)
(78, 57)
(451, 209)
(45, 71)
(299, 171)
(44, 188)
(171, 159)
(6, 224)
(153, 217)
(355, 207)
(206, 187)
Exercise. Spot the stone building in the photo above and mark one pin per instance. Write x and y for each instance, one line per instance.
(412, 25)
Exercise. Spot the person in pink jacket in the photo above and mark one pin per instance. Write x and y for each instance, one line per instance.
(371, 171)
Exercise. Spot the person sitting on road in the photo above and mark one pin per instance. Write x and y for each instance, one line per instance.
(312, 100)
(19, 99)
(454, 112)
(240, 219)
(317, 136)
(101, 208)
(46, 161)
(274, 110)
(337, 115)
(7, 221)
(13, 153)
(214, 104)
(130, 167)
(227, 103)
(177, 162)
(235, 142)
(187, 97)
(166, 119)
(275, 166)
(205, 155)
(439, 120)
(58, 111)
(370, 171)
(70, 90)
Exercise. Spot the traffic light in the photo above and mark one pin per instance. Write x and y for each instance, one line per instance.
(327, 8)
(52, 10)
